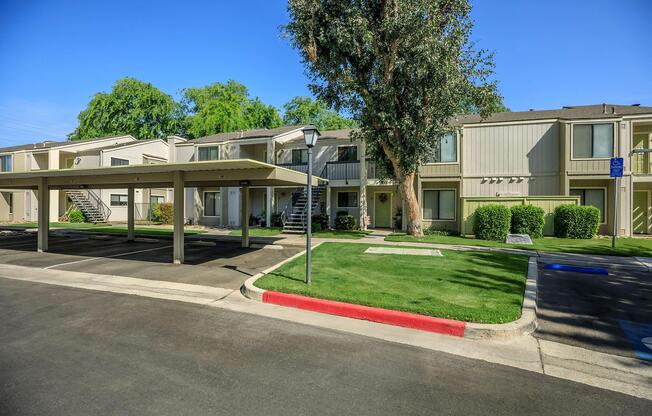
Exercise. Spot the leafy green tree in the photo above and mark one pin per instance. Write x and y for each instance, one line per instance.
(402, 69)
(132, 107)
(305, 110)
(219, 107)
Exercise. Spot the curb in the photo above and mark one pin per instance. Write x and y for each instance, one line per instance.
(526, 324)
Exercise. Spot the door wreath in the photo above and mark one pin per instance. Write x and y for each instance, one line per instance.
(382, 197)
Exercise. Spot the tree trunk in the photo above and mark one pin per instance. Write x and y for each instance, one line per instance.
(412, 208)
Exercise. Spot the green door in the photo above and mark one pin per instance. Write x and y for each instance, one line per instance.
(382, 210)
(639, 212)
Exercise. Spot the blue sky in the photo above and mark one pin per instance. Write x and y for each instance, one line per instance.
(54, 55)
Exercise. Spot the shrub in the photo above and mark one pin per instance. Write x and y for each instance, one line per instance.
(528, 219)
(76, 216)
(344, 222)
(163, 213)
(492, 222)
(277, 219)
(433, 230)
(322, 220)
(316, 227)
(576, 221)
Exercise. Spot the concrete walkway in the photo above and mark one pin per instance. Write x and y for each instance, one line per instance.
(626, 375)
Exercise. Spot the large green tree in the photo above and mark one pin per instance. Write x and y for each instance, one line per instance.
(402, 68)
(132, 107)
(224, 107)
(305, 110)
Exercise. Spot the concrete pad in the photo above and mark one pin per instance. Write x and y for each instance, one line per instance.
(403, 251)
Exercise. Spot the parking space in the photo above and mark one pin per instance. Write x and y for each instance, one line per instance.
(608, 313)
(214, 263)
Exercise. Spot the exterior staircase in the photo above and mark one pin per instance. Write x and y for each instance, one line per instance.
(295, 223)
(90, 204)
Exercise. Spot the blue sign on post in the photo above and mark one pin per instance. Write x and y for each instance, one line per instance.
(616, 167)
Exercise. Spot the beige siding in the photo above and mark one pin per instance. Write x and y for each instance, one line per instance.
(439, 169)
(599, 166)
(511, 186)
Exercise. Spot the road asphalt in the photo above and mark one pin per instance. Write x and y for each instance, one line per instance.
(77, 352)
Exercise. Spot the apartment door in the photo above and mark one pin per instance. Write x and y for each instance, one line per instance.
(641, 161)
(640, 212)
(382, 209)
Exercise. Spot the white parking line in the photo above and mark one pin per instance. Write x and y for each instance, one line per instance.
(107, 257)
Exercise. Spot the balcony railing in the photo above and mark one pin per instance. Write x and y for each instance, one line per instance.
(641, 164)
(342, 171)
(299, 167)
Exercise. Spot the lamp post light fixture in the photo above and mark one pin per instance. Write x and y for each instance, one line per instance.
(310, 135)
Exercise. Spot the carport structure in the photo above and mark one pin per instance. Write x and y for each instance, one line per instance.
(244, 173)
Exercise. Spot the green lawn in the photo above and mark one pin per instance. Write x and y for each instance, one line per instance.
(259, 232)
(469, 286)
(625, 246)
(353, 234)
(109, 229)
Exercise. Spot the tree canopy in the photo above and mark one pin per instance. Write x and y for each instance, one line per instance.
(224, 107)
(402, 68)
(305, 110)
(132, 107)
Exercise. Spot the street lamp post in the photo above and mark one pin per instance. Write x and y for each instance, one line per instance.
(310, 135)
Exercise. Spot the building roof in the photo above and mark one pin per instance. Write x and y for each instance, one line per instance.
(567, 113)
(119, 145)
(49, 144)
(245, 134)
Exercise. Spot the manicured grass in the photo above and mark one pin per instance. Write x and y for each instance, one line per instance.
(259, 232)
(353, 234)
(469, 286)
(625, 246)
(109, 229)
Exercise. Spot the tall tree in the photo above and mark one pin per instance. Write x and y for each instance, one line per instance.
(402, 68)
(219, 107)
(305, 110)
(132, 107)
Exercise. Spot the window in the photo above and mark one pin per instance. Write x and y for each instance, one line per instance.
(118, 200)
(439, 204)
(593, 197)
(347, 199)
(447, 150)
(209, 153)
(299, 156)
(9, 199)
(211, 204)
(5, 163)
(347, 154)
(156, 199)
(593, 140)
(119, 162)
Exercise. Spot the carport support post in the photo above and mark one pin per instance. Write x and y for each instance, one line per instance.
(178, 217)
(244, 193)
(43, 215)
(131, 205)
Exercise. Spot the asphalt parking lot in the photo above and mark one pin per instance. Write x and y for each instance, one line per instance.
(224, 264)
(608, 313)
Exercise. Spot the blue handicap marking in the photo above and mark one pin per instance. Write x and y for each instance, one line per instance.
(640, 335)
(576, 269)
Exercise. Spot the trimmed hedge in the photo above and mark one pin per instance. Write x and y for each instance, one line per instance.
(576, 221)
(344, 222)
(277, 219)
(528, 219)
(492, 222)
(76, 216)
(316, 227)
(163, 213)
(322, 220)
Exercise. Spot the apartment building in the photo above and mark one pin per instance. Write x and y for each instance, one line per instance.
(98, 205)
(516, 154)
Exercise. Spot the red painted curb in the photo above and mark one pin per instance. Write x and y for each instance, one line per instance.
(384, 316)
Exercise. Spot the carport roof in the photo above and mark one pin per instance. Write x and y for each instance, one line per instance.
(237, 172)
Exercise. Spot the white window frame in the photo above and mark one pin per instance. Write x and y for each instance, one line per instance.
(219, 152)
(119, 198)
(118, 158)
(606, 199)
(348, 192)
(298, 150)
(614, 144)
(457, 153)
(438, 189)
(11, 157)
(203, 202)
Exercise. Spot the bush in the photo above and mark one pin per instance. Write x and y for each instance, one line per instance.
(322, 220)
(316, 227)
(433, 230)
(528, 219)
(163, 213)
(76, 216)
(576, 221)
(277, 219)
(492, 222)
(345, 222)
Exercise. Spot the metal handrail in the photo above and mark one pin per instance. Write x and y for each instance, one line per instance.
(101, 206)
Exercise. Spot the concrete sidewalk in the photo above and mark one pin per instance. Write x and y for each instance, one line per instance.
(630, 376)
